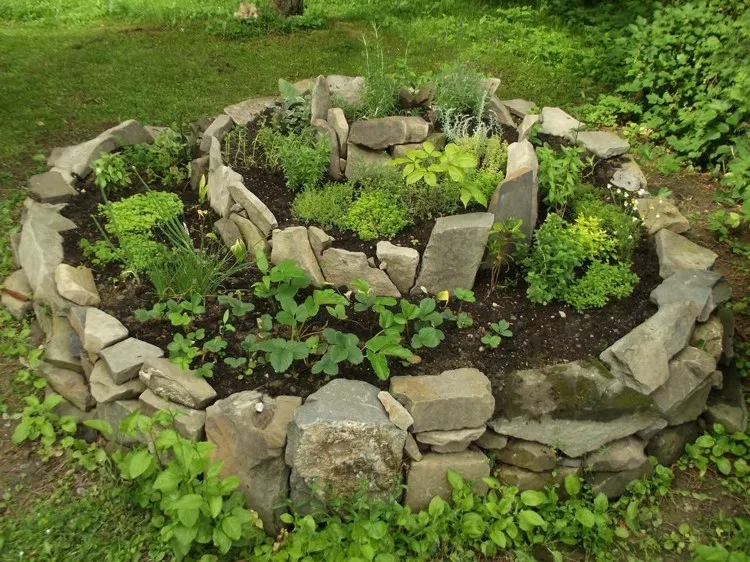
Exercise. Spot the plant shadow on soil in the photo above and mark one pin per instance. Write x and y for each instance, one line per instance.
(542, 335)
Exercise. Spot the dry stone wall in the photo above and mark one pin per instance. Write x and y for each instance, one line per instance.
(597, 418)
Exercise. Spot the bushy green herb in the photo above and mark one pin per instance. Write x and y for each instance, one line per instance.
(326, 206)
(619, 222)
(601, 284)
(110, 172)
(559, 175)
(295, 107)
(164, 161)
(377, 213)
(303, 157)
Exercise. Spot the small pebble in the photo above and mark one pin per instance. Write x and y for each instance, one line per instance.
(562, 314)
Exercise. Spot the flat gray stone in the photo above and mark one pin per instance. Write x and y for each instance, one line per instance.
(629, 176)
(457, 399)
(365, 163)
(339, 437)
(101, 330)
(677, 253)
(249, 430)
(257, 211)
(337, 120)
(709, 337)
(104, 389)
(491, 441)
(615, 484)
(379, 134)
(51, 187)
(603, 144)
(77, 159)
(170, 382)
(529, 480)
(454, 252)
(400, 263)
(451, 441)
(574, 407)
(319, 240)
(347, 88)
(520, 107)
(320, 101)
(246, 111)
(253, 237)
(623, 454)
(228, 231)
(63, 346)
(526, 126)
(341, 268)
(682, 398)
(47, 214)
(521, 155)
(557, 123)
(326, 132)
(69, 384)
(640, 359)
(293, 244)
(218, 129)
(528, 455)
(658, 213)
(517, 197)
(189, 423)
(669, 444)
(77, 285)
(497, 111)
(428, 478)
(124, 359)
(398, 415)
(706, 289)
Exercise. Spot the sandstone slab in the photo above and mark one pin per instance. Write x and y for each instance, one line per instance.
(337, 120)
(398, 415)
(629, 176)
(293, 244)
(457, 399)
(517, 197)
(709, 336)
(320, 99)
(101, 330)
(69, 384)
(257, 211)
(77, 285)
(400, 263)
(379, 134)
(188, 422)
(51, 187)
(658, 213)
(682, 398)
(615, 484)
(529, 480)
(454, 252)
(528, 455)
(124, 359)
(520, 107)
(218, 129)
(63, 346)
(341, 268)
(253, 237)
(677, 253)
(669, 444)
(170, 382)
(603, 144)
(527, 126)
(705, 289)
(555, 122)
(246, 111)
(450, 441)
(363, 162)
(623, 454)
(104, 389)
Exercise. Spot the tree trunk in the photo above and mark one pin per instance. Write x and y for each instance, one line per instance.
(289, 7)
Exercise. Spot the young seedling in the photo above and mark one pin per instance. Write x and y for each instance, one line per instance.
(500, 330)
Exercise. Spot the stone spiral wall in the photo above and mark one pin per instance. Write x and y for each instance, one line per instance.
(598, 418)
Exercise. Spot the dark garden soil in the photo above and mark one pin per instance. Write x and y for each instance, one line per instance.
(542, 335)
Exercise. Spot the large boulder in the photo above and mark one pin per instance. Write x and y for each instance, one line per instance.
(77, 159)
(293, 244)
(249, 430)
(341, 268)
(517, 197)
(454, 252)
(457, 399)
(706, 289)
(640, 359)
(677, 253)
(428, 478)
(340, 437)
(575, 407)
(379, 134)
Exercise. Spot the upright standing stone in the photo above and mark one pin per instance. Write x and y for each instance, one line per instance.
(293, 244)
(517, 197)
(257, 211)
(337, 120)
(527, 126)
(69, 384)
(321, 100)
(328, 133)
(218, 129)
(249, 430)
(521, 155)
(399, 263)
(101, 330)
(454, 252)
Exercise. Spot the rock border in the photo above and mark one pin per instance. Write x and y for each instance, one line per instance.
(643, 396)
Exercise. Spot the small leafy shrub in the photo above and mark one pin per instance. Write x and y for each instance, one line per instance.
(303, 157)
(491, 151)
(559, 175)
(601, 283)
(377, 213)
(130, 230)
(326, 206)
(165, 161)
(459, 88)
(621, 226)
(180, 483)
(110, 172)
(295, 108)
(609, 111)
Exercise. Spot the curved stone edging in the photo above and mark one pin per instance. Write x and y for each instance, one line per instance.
(604, 417)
